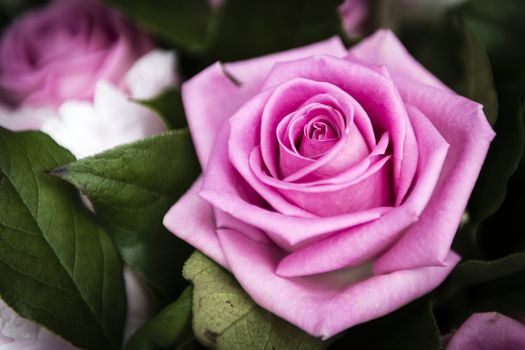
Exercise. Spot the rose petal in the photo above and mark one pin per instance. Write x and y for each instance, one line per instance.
(288, 98)
(225, 189)
(254, 71)
(210, 97)
(489, 331)
(373, 91)
(469, 136)
(355, 245)
(320, 308)
(384, 48)
(192, 219)
(369, 189)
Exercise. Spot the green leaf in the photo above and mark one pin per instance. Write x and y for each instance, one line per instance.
(411, 327)
(481, 286)
(58, 267)
(474, 272)
(131, 188)
(502, 161)
(168, 105)
(501, 26)
(170, 329)
(225, 317)
(244, 29)
(184, 23)
(478, 83)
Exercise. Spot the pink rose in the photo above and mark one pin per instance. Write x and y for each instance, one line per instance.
(333, 181)
(59, 52)
(488, 331)
(353, 14)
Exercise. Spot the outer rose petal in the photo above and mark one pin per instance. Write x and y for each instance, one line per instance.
(384, 48)
(488, 331)
(210, 97)
(429, 240)
(192, 219)
(324, 307)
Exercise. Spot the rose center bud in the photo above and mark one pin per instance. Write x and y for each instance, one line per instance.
(319, 135)
(320, 129)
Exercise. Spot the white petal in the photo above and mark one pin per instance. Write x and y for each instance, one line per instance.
(25, 118)
(151, 74)
(87, 128)
(17, 333)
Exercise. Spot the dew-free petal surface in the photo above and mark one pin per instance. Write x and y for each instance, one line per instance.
(320, 308)
(488, 331)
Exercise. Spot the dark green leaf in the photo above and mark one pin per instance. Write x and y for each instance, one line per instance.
(131, 188)
(502, 161)
(225, 317)
(412, 327)
(243, 29)
(170, 329)
(168, 105)
(184, 23)
(58, 267)
(474, 272)
(508, 147)
(501, 26)
(482, 286)
(477, 83)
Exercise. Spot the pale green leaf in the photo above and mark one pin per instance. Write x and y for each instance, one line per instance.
(225, 317)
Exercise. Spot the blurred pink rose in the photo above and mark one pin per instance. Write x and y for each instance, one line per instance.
(59, 52)
(333, 181)
(488, 331)
(353, 14)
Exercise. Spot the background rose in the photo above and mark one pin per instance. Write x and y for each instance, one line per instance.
(354, 14)
(487, 331)
(59, 52)
(333, 185)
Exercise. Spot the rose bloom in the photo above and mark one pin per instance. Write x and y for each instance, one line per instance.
(333, 181)
(488, 331)
(59, 52)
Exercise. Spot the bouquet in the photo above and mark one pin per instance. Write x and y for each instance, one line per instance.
(246, 174)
